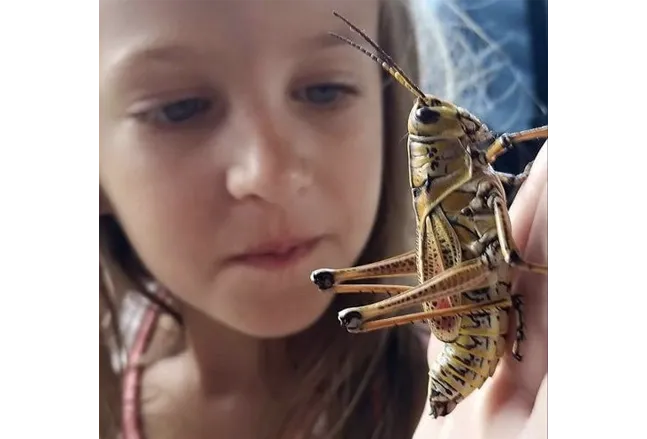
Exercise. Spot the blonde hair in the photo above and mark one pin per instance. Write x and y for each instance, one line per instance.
(354, 375)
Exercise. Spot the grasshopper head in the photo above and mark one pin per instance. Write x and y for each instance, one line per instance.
(433, 117)
(430, 116)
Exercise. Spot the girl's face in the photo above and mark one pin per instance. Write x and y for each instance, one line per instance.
(240, 149)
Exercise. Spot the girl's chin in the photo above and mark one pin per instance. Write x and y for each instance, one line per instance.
(267, 313)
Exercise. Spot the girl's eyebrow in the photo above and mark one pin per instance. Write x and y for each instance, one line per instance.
(147, 53)
(171, 53)
(132, 60)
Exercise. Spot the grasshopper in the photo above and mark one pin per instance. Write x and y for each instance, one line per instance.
(464, 252)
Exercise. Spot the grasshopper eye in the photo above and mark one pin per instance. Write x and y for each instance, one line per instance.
(426, 115)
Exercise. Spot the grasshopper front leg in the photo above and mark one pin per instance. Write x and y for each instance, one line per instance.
(400, 265)
(513, 182)
(506, 142)
(465, 276)
(508, 246)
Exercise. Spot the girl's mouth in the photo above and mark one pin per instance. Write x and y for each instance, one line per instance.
(273, 256)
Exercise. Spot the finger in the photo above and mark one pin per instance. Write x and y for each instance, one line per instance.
(520, 212)
(515, 384)
(528, 374)
(503, 399)
(537, 425)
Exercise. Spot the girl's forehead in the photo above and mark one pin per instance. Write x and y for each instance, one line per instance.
(233, 22)
(136, 32)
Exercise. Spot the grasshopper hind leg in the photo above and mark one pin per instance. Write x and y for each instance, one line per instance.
(323, 278)
(400, 265)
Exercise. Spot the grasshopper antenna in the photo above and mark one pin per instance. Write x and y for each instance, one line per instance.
(383, 59)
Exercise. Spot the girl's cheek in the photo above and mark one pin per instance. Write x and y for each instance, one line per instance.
(356, 173)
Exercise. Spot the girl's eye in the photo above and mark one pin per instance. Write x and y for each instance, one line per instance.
(324, 94)
(178, 111)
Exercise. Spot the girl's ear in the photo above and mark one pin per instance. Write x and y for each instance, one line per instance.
(104, 204)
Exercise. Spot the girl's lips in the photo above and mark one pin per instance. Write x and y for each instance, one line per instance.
(277, 256)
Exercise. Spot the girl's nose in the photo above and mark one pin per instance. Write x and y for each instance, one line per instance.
(269, 164)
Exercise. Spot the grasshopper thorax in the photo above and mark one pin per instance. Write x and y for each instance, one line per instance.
(440, 142)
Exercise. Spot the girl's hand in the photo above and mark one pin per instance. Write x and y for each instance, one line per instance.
(512, 404)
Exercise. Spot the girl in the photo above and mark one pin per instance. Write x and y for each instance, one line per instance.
(242, 147)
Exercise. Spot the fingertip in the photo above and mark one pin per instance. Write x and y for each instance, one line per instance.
(524, 206)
